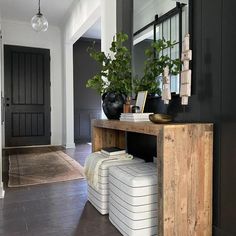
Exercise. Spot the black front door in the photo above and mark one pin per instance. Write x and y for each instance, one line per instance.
(27, 96)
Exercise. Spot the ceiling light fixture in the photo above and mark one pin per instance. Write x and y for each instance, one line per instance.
(39, 22)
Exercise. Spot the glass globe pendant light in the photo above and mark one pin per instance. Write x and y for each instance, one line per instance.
(39, 22)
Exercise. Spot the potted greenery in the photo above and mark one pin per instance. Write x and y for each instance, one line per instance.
(153, 69)
(114, 80)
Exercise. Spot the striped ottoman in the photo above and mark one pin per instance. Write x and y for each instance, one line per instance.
(133, 199)
(99, 197)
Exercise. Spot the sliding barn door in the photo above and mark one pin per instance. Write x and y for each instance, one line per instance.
(27, 96)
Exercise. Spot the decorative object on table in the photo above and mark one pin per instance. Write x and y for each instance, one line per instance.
(112, 104)
(166, 94)
(186, 74)
(135, 117)
(155, 104)
(154, 67)
(141, 99)
(113, 81)
(38, 21)
(127, 107)
(160, 118)
(135, 109)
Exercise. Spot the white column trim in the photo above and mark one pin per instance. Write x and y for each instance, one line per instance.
(2, 192)
(108, 24)
(108, 28)
(69, 97)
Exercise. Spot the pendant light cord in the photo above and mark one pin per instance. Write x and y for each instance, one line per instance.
(39, 7)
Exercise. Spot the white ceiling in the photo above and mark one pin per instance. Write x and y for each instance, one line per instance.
(94, 32)
(23, 10)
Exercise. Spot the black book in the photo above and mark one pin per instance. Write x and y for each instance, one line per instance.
(111, 151)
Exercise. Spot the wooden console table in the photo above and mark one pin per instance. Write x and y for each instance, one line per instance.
(185, 156)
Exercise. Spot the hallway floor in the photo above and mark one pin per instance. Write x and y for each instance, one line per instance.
(58, 209)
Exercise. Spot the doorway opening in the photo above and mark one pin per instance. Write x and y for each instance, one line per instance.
(87, 102)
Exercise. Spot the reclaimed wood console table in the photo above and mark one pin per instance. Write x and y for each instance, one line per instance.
(184, 166)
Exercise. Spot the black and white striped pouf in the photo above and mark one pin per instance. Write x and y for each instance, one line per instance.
(99, 197)
(133, 199)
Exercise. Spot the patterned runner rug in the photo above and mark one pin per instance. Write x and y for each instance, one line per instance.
(42, 168)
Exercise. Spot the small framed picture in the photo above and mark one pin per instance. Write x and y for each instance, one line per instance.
(141, 99)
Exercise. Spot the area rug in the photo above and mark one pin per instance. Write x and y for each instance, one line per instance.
(41, 168)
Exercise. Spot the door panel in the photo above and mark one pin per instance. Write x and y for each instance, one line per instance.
(27, 96)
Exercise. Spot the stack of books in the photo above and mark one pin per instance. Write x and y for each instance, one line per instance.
(112, 151)
(135, 116)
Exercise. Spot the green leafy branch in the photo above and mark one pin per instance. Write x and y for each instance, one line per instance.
(154, 67)
(115, 74)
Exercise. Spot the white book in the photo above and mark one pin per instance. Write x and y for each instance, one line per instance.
(135, 115)
(134, 119)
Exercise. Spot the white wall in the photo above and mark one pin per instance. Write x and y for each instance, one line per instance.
(144, 12)
(108, 28)
(82, 15)
(108, 23)
(21, 33)
(147, 11)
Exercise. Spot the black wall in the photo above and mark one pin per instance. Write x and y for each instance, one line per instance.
(212, 100)
(87, 102)
(214, 37)
(124, 21)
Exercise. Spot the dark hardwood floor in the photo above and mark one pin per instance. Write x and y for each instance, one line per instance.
(59, 209)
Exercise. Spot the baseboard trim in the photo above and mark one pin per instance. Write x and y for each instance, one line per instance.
(34, 146)
(71, 145)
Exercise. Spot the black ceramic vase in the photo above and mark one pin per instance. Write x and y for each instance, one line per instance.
(155, 104)
(113, 105)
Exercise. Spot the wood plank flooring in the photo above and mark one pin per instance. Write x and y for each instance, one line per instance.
(58, 209)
